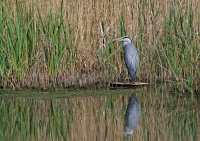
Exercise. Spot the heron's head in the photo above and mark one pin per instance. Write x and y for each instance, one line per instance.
(125, 41)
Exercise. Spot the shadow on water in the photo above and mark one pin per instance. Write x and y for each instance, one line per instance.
(89, 115)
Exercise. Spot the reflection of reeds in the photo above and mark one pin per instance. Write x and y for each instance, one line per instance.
(90, 118)
(58, 43)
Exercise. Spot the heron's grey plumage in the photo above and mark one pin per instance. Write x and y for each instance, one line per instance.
(132, 115)
(131, 57)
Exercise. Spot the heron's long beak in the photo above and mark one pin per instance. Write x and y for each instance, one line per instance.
(119, 39)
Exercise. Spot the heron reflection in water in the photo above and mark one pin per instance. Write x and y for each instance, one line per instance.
(132, 116)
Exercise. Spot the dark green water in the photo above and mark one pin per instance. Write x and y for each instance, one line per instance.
(89, 115)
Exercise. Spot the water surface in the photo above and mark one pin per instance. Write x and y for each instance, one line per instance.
(89, 115)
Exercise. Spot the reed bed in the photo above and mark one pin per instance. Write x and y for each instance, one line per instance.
(60, 43)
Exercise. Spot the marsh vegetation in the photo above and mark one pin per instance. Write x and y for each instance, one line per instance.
(60, 43)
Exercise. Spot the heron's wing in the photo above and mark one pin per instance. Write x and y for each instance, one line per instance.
(132, 62)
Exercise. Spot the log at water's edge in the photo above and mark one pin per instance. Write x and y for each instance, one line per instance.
(128, 84)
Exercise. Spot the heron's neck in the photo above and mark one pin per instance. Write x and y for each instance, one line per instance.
(129, 47)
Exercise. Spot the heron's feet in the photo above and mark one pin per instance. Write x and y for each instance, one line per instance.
(130, 81)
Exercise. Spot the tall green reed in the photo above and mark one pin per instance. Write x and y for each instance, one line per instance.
(3, 60)
(107, 53)
(17, 40)
(111, 54)
(57, 35)
(178, 51)
(21, 34)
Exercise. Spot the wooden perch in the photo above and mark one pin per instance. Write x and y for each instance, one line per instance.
(128, 84)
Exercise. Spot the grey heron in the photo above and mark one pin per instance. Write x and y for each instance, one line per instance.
(131, 56)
